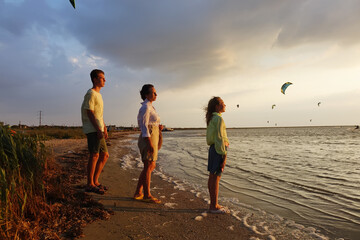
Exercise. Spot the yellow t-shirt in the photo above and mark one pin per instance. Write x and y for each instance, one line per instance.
(92, 101)
(216, 133)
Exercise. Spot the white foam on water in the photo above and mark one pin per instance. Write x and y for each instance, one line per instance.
(129, 160)
(273, 226)
(126, 162)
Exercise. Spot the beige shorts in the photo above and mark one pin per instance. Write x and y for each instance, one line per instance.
(143, 146)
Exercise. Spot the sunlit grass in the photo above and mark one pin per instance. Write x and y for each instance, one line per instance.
(54, 132)
(22, 165)
(31, 188)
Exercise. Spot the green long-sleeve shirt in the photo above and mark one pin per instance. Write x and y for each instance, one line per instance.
(216, 133)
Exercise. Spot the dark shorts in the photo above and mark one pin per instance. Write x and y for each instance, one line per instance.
(96, 145)
(214, 161)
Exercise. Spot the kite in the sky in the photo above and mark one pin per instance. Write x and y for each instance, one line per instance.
(237, 106)
(272, 107)
(285, 86)
(319, 104)
(72, 3)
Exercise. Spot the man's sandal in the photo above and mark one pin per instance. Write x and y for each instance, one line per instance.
(105, 188)
(94, 189)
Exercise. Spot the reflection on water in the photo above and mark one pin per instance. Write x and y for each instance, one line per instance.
(309, 175)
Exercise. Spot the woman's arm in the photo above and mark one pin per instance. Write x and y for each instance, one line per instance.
(161, 127)
(144, 127)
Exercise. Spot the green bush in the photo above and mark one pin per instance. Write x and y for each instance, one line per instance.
(22, 165)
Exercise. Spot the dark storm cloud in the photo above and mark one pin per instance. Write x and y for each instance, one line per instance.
(182, 38)
(33, 65)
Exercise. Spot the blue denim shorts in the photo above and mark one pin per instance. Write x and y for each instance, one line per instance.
(214, 161)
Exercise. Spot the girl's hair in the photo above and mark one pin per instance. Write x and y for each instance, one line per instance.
(211, 107)
(145, 90)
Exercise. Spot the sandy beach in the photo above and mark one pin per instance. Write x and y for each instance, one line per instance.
(181, 215)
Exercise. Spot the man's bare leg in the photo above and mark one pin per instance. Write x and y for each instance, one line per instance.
(104, 156)
(93, 159)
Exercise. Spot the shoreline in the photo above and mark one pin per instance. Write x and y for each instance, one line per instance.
(181, 215)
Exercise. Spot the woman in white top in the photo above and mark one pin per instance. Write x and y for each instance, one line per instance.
(149, 142)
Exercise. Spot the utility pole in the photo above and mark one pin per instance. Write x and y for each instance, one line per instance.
(40, 119)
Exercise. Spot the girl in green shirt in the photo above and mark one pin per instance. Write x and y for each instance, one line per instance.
(216, 138)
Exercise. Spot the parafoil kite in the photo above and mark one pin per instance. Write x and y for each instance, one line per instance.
(237, 106)
(319, 104)
(72, 3)
(285, 86)
(272, 107)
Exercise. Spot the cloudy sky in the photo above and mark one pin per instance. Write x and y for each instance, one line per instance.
(191, 50)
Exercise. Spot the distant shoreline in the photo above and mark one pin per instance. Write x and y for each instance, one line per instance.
(327, 126)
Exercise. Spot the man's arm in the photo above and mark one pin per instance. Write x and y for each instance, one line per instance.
(105, 131)
(92, 118)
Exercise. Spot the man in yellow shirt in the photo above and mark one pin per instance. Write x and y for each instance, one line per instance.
(94, 127)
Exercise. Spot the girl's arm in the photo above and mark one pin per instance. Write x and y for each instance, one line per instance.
(222, 166)
(220, 137)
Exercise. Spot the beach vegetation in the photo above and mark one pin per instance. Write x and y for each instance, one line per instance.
(39, 198)
(22, 165)
(53, 132)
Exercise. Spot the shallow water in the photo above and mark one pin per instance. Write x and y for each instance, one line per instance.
(282, 183)
(307, 179)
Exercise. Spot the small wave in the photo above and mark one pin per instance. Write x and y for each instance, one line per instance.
(332, 178)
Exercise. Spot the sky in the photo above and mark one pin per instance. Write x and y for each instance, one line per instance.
(190, 50)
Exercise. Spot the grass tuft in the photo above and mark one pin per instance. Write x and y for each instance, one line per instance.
(22, 164)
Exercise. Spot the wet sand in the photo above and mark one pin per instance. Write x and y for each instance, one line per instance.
(181, 215)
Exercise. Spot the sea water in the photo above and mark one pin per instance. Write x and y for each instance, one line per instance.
(283, 183)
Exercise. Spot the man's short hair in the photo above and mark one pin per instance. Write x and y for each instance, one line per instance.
(95, 73)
